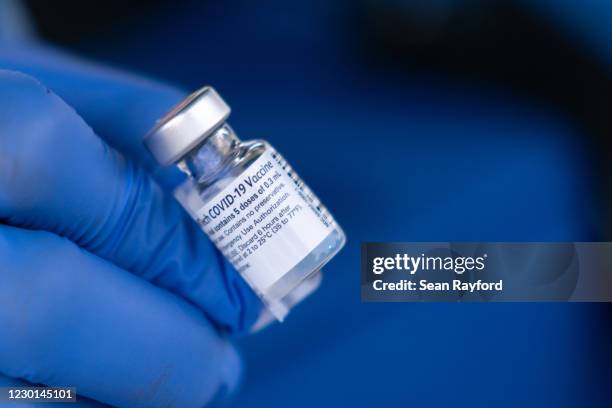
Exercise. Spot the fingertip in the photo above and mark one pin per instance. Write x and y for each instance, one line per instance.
(21, 95)
(250, 309)
(231, 369)
(8, 77)
(119, 106)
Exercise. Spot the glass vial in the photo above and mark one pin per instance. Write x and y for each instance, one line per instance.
(248, 200)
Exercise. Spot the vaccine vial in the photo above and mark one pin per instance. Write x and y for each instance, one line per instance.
(248, 200)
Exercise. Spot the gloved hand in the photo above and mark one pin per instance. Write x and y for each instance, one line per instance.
(105, 283)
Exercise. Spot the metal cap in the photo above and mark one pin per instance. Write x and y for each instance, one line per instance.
(186, 125)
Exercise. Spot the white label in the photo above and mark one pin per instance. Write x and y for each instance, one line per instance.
(265, 221)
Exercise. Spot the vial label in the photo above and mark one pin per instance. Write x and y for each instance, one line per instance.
(265, 221)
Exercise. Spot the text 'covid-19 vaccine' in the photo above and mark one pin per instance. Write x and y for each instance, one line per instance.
(248, 200)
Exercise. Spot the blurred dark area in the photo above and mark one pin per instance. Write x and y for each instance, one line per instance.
(492, 91)
(72, 22)
(495, 43)
(501, 43)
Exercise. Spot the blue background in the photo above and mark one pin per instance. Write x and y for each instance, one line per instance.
(397, 156)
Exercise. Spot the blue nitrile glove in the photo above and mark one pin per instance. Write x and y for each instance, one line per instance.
(105, 283)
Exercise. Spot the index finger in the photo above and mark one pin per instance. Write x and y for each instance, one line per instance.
(120, 107)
